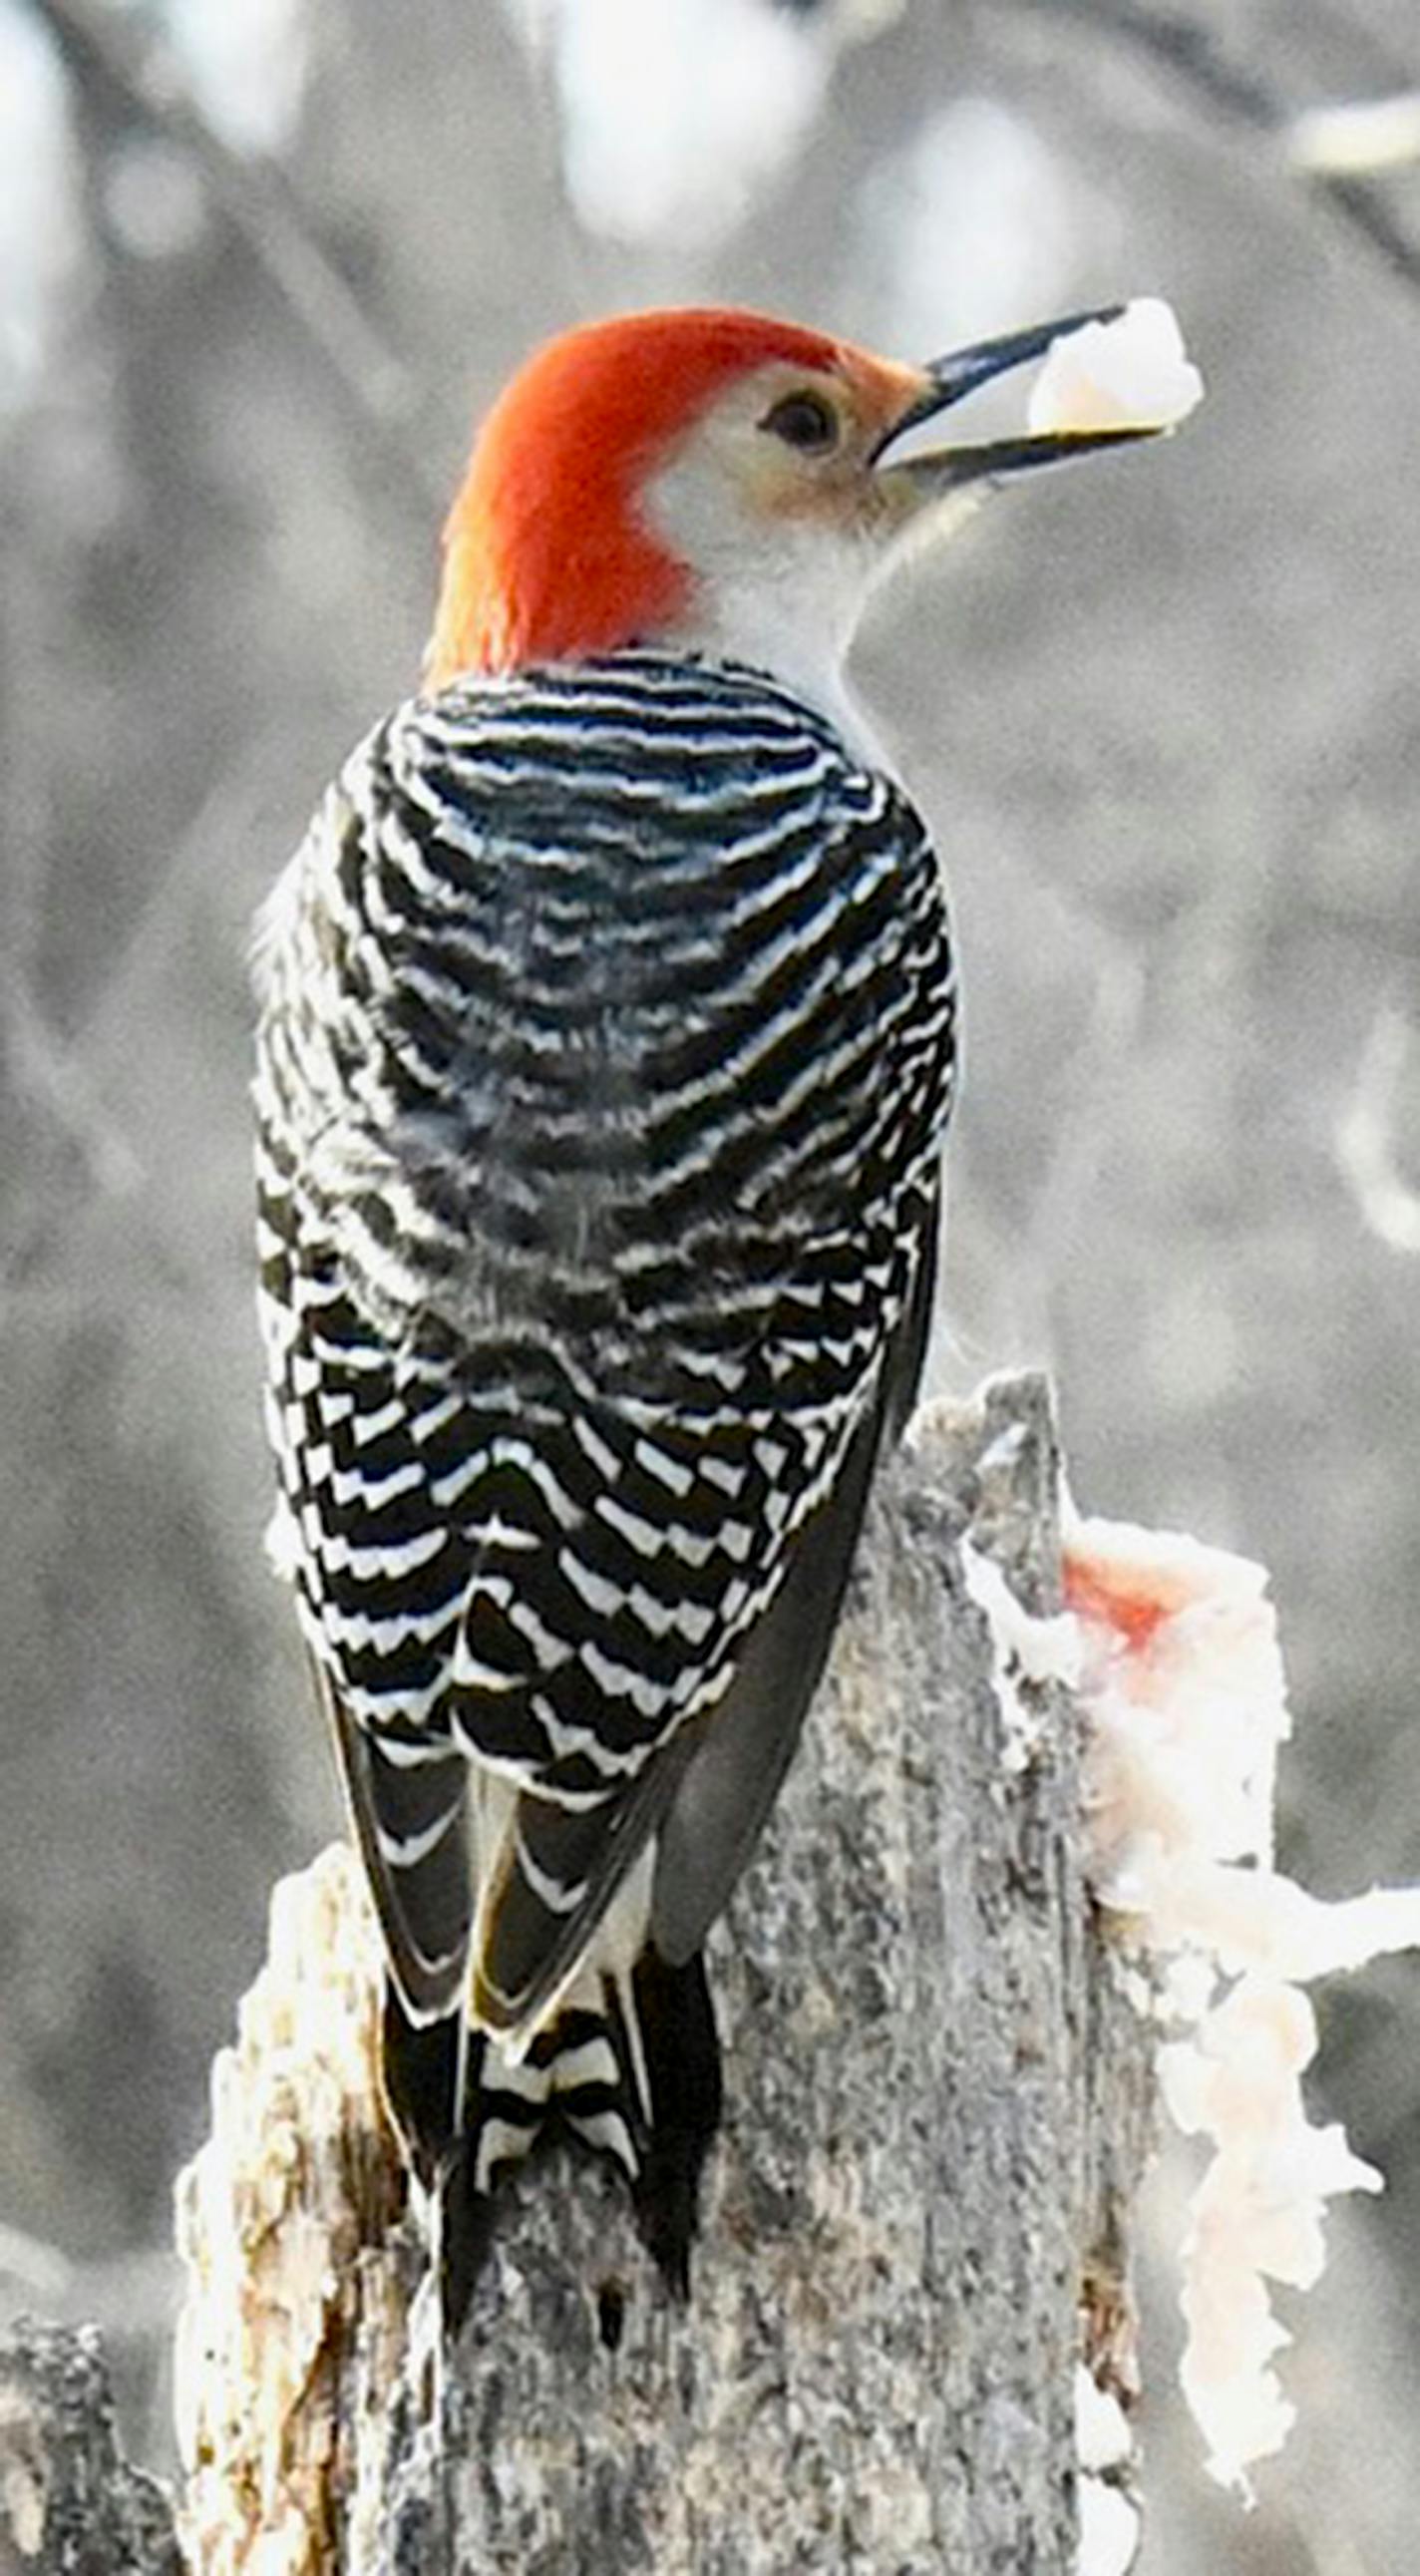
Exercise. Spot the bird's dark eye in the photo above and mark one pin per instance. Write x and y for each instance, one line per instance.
(803, 420)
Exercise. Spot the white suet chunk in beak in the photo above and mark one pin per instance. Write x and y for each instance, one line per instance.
(1132, 373)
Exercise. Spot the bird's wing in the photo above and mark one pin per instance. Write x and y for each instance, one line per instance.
(576, 1674)
(705, 1778)
(733, 1768)
(601, 1092)
(411, 1822)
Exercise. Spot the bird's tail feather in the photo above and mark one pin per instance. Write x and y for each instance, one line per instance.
(628, 2066)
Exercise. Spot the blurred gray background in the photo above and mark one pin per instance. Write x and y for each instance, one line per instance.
(261, 267)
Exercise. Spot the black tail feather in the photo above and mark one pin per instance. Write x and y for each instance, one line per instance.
(682, 2057)
(682, 2050)
(420, 2066)
(465, 2234)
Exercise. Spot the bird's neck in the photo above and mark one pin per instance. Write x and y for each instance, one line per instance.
(757, 625)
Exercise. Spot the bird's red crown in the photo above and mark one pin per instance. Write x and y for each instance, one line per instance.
(547, 554)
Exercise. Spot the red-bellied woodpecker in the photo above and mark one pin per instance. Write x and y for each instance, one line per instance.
(606, 1057)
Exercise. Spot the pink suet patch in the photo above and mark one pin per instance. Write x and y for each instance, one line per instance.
(1113, 1597)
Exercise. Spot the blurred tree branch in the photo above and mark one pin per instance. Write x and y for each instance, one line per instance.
(102, 51)
(1191, 52)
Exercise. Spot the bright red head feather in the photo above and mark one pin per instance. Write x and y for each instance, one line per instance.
(546, 556)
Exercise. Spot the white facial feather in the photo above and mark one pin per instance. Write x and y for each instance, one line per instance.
(783, 592)
(783, 576)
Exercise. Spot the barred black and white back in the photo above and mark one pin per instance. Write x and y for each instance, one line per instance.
(605, 1062)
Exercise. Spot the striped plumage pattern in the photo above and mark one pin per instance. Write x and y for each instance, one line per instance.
(605, 1061)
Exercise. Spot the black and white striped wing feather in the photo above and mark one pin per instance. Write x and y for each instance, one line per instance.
(606, 1056)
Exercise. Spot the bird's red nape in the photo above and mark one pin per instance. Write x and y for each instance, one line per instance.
(546, 555)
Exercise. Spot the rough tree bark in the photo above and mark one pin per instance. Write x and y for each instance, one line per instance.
(69, 2504)
(915, 2224)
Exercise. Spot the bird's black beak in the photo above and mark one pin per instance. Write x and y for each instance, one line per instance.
(949, 380)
